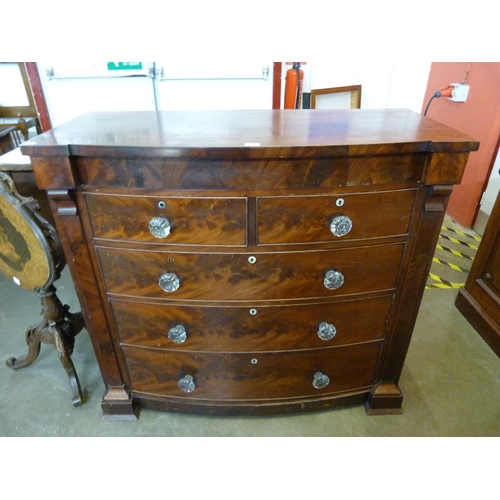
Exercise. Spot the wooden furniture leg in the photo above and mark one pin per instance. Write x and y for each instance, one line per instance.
(59, 327)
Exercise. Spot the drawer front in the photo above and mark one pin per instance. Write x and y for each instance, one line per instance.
(303, 219)
(233, 329)
(266, 173)
(195, 221)
(250, 376)
(229, 277)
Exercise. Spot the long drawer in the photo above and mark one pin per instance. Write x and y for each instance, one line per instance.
(201, 221)
(252, 376)
(240, 276)
(301, 219)
(233, 329)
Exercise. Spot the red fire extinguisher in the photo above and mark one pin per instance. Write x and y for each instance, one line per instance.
(293, 86)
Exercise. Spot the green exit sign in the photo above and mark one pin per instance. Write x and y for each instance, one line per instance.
(124, 66)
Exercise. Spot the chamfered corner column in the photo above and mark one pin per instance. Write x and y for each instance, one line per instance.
(387, 397)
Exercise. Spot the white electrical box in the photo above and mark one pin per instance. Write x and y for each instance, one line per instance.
(459, 92)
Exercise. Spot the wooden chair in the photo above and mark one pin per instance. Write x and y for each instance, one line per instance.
(23, 118)
(7, 139)
(10, 138)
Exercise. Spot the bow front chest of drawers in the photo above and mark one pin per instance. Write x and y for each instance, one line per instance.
(249, 262)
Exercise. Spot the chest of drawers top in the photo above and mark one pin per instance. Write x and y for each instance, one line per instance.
(198, 133)
(247, 149)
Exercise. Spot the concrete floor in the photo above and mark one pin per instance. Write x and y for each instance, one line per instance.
(451, 383)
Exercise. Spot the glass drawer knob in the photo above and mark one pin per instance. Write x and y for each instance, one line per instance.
(320, 380)
(186, 384)
(333, 280)
(340, 225)
(177, 334)
(159, 227)
(326, 331)
(169, 282)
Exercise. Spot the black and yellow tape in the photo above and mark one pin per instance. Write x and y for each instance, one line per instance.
(442, 283)
(474, 237)
(455, 252)
(459, 242)
(461, 246)
(449, 264)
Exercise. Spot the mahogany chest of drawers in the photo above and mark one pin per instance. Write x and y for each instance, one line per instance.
(249, 262)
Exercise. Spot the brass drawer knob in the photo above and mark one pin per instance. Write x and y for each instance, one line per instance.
(333, 280)
(340, 225)
(326, 331)
(320, 380)
(186, 384)
(159, 227)
(169, 282)
(177, 334)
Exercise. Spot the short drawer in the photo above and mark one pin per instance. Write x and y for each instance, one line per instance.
(252, 376)
(305, 219)
(151, 219)
(233, 329)
(262, 276)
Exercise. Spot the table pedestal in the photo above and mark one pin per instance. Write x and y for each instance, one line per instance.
(59, 327)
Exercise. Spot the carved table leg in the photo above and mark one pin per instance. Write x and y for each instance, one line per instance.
(59, 327)
(64, 353)
(33, 340)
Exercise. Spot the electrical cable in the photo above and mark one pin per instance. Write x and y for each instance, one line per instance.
(440, 93)
(436, 94)
(466, 75)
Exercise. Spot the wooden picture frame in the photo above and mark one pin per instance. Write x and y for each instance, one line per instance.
(355, 91)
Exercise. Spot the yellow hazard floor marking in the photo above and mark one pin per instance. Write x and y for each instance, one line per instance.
(455, 252)
(449, 264)
(454, 240)
(467, 239)
(442, 283)
(461, 233)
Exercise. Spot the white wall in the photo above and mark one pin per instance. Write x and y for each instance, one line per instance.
(12, 91)
(384, 85)
(491, 193)
(213, 85)
(192, 86)
(68, 98)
